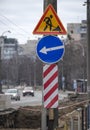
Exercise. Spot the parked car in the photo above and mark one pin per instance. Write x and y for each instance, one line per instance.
(28, 91)
(14, 93)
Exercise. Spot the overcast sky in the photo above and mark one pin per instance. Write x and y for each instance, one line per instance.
(22, 16)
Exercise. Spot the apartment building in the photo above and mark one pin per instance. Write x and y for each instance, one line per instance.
(83, 29)
(29, 48)
(9, 47)
(77, 31)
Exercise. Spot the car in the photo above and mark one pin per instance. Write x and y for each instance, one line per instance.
(14, 93)
(28, 91)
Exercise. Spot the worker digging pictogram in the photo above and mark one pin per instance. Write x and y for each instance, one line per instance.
(49, 24)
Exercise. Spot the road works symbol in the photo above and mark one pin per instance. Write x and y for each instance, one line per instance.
(49, 23)
(50, 49)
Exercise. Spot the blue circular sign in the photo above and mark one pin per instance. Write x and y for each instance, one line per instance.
(50, 49)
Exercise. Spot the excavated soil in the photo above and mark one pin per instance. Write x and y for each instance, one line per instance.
(29, 117)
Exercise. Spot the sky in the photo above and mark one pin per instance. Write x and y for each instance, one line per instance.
(20, 17)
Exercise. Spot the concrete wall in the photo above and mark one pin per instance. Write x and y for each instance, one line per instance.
(5, 101)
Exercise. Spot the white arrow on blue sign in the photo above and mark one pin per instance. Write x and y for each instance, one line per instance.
(50, 49)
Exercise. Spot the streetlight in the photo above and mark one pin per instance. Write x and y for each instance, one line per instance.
(2, 42)
(6, 32)
(1, 47)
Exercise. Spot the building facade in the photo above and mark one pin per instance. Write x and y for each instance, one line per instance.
(29, 48)
(83, 29)
(9, 47)
(77, 31)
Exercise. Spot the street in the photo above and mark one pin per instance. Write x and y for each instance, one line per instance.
(32, 101)
(28, 100)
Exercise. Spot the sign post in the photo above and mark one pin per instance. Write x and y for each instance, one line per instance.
(50, 50)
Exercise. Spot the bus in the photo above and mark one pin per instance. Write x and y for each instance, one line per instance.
(80, 85)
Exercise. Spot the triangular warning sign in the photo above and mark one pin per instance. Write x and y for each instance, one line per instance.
(49, 23)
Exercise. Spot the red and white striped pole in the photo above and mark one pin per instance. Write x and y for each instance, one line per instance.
(50, 86)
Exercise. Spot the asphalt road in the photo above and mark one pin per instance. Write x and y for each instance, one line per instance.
(33, 101)
(28, 100)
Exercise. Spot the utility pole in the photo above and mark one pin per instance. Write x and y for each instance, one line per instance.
(52, 2)
(88, 48)
(0, 72)
(88, 56)
(52, 117)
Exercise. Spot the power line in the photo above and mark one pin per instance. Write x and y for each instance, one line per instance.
(14, 24)
(3, 23)
(11, 28)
